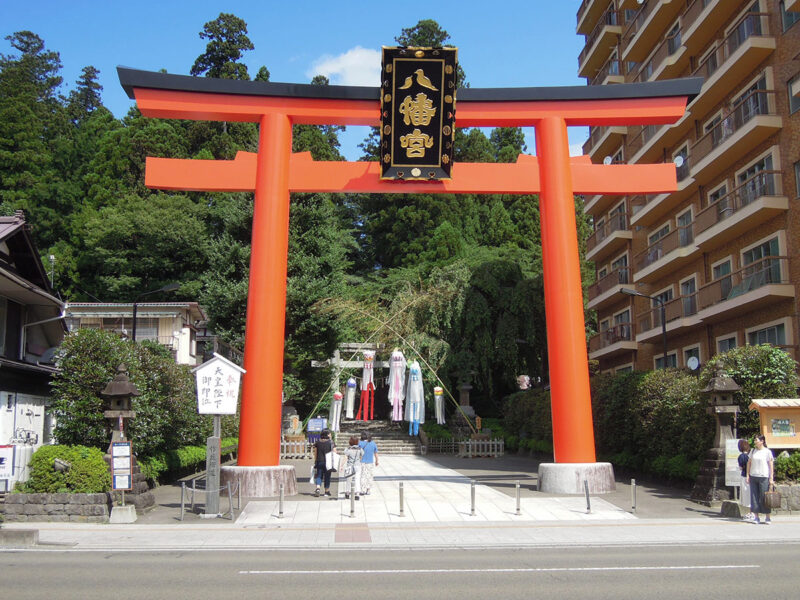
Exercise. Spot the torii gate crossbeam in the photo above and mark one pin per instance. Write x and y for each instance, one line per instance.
(274, 172)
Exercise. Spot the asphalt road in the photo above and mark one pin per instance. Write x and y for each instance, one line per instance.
(671, 571)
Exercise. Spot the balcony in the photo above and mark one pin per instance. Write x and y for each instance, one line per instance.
(666, 255)
(651, 208)
(667, 61)
(611, 72)
(680, 315)
(606, 290)
(604, 141)
(589, 12)
(600, 203)
(702, 19)
(612, 236)
(649, 25)
(744, 48)
(617, 340)
(599, 44)
(756, 201)
(759, 284)
(751, 122)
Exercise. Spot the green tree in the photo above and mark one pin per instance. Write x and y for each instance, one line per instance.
(227, 41)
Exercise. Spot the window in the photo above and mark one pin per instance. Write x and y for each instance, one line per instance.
(726, 343)
(794, 101)
(748, 26)
(674, 39)
(658, 234)
(788, 17)
(666, 298)
(672, 361)
(688, 297)
(756, 181)
(775, 335)
(681, 160)
(625, 369)
(720, 197)
(622, 324)
(722, 273)
(750, 103)
(684, 221)
(621, 266)
(602, 273)
(708, 63)
(146, 329)
(760, 268)
(617, 218)
(693, 352)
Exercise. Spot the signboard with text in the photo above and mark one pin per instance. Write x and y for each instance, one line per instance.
(121, 467)
(217, 386)
(418, 107)
(6, 462)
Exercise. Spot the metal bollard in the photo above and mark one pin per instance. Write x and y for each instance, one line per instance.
(183, 493)
(633, 496)
(586, 490)
(518, 511)
(352, 499)
(402, 514)
(280, 503)
(472, 499)
(230, 501)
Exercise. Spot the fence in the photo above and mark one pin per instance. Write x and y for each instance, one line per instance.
(295, 449)
(475, 448)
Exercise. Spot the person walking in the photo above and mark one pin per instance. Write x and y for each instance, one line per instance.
(760, 476)
(744, 487)
(352, 469)
(368, 462)
(322, 467)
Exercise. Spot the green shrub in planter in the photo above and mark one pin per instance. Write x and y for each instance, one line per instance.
(88, 473)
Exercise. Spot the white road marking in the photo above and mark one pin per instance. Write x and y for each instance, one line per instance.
(508, 570)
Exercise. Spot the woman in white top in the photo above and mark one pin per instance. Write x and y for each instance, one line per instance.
(760, 472)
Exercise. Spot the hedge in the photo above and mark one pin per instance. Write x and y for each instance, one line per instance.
(181, 460)
(88, 472)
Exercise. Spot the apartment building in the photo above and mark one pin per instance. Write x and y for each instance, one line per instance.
(715, 264)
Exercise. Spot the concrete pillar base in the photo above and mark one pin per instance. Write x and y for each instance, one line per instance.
(260, 482)
(568, 478)
(123, 514)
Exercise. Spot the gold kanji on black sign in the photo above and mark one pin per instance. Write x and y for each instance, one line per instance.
(418, 109)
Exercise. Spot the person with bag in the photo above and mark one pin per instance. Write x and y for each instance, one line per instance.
(368, 463)
(352, 470)
(325, 460)
(744, 487)
(760, 473)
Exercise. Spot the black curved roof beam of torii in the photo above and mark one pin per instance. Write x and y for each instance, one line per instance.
(163, 95)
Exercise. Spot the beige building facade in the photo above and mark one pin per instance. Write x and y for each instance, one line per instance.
(721, 253)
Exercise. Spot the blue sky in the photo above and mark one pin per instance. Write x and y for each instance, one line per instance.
(506, 43)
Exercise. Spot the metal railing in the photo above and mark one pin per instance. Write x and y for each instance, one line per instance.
(619, 276)
(610, 17)
(639, 136)
(621, 332)
(475, 448)
(677, 308)
(669, 46)
(754, 104)
(766, 271)
(615, 222)
(613, 66)
(677, 238)
(750, 25)
(765, 183)
(637, 22)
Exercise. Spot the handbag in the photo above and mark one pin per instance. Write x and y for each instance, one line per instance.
(772, 498)
(330, 461)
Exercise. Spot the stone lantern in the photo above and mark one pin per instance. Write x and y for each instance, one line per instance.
(709, 487)
(720, 391)
(119, 392)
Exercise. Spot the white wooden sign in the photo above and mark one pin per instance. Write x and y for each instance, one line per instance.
(217, 386)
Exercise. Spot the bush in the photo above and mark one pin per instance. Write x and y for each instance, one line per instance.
(177, 461)
(88, 473)
(788, 467)
(166, 409)
(434, 431)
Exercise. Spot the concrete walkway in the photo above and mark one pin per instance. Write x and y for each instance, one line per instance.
(437, 514)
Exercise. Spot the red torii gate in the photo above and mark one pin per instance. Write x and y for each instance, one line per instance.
(274, 172)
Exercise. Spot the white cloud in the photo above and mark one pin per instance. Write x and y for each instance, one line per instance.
(357, 66)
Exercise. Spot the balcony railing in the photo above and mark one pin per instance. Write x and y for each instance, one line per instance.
(765, 183)
(621, 332)
(756, 103)
(750, 25)
(766, 271)
(640, 137)
(664, 50)
(620, 276)
(677, 308)
(610, 17)
(637, 22)
(616, 222)
(677, 238)
(613, 67)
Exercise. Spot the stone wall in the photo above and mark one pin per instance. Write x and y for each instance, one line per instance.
(790, 496)
(74, 508)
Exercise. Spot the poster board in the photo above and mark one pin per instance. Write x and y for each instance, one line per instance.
(733, 475)
(121, 467)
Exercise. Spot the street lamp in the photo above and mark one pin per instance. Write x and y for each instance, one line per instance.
(629, 292)
(170, 287)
